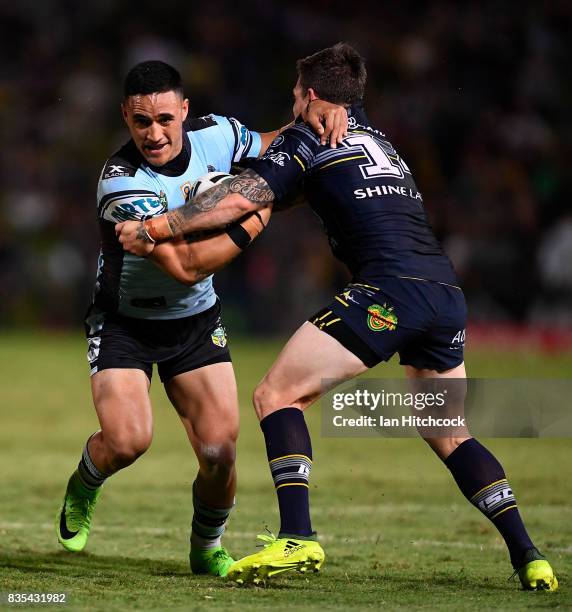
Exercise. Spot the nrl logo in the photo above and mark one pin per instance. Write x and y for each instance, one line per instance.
(381, 317)
(218, 337)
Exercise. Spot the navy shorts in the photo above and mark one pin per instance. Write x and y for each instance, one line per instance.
(175, 345)
(423, 321)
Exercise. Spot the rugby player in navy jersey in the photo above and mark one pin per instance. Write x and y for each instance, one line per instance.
(142, 316)
(404, 298)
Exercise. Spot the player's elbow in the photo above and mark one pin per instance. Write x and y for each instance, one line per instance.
(189, 277)
(184, 265)
(184, 272)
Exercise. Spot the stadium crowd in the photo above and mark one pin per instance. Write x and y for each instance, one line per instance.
(473, 95)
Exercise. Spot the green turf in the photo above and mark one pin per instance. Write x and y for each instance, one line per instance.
(396, 531)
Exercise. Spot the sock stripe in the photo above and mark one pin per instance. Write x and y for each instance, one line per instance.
(503, 510)
(214, 514)
(86, 478)
(293, 484)
(91, 467)
(199, 520)
(290, 476)
(488, 487)
(208, 533)
(294, 470)
(290, 461)
(88, 473)
(208, 511)
(208, 523)
(490, 492)
(288, 456)
(289, 464)
(494, 497)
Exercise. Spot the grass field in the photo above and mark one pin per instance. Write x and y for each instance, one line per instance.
(396, 531)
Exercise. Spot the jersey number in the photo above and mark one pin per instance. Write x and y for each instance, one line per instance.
(383, 161)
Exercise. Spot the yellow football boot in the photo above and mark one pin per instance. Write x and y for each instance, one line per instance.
(278, 555)
(536, 574)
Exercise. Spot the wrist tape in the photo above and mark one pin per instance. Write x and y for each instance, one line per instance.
(238, 235)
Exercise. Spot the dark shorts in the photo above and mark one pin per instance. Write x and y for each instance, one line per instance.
(175, 345)
(423, 321)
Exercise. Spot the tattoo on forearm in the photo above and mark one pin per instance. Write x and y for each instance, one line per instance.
(248, 184)
(253, 187)
(180, 217)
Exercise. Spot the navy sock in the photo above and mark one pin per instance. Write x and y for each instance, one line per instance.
(483, 482)
(289, 452)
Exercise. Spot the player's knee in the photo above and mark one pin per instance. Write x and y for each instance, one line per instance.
(126, 446)
(217, 456)
(264, 400)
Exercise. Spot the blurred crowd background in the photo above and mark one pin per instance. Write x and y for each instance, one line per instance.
(473, 95)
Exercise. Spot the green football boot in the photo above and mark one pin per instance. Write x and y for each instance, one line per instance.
(278, 556)
(74, 517)
(212, 561)
(535, 572)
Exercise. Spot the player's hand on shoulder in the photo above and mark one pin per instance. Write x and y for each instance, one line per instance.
(134, 238)
(329, 121)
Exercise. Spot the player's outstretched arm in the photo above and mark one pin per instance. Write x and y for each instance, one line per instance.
(190, 262)
(212, 209)
(329, 121)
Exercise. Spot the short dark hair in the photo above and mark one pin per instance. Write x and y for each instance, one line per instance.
(337, 74)
(152, 76)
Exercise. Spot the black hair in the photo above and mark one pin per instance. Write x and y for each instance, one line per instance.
(337, 74)
(152, 76)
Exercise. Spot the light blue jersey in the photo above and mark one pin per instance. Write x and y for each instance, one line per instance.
(130, 189)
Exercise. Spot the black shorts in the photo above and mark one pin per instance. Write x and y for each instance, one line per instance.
(175, 345)
(423, 321)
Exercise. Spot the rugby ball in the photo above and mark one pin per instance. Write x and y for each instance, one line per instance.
(207, 181)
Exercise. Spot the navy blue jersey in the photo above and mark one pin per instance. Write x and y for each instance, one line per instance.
(365, 196)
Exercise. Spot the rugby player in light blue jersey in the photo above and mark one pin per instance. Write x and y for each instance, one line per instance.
(140, 315)
(404, 298)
